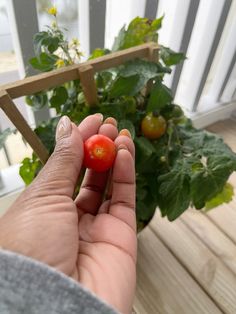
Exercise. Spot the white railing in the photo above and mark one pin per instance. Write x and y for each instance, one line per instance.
(205, 85)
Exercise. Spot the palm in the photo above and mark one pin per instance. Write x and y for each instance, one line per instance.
(106, 262)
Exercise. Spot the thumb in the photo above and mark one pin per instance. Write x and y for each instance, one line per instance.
(59, 175)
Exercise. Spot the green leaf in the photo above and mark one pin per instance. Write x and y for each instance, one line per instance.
(145, 69)
(160, 97)
(203, 143)
(139, 31)
(29, 169)
(171, 57)
(225, 196)
(143, 144)
(37, 101)
(119, 40)
(99, 53)
(45, 42)
(174, 192)
(145, 210)
(127, 124)
(3, 136)
(124, 86)
(59, 98)
(44, 62)
(208, 181)
(38, 40)
(46, 132)
(104, 80)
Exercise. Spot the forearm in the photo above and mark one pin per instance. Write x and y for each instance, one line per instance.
(27, 286)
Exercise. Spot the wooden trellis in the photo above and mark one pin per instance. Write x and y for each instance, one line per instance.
(83, 71)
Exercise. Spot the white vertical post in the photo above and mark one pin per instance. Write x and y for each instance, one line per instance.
(223, 64)
(83, 14)
(229, 90)
(24, 24)
(209, 21)
(175, 14)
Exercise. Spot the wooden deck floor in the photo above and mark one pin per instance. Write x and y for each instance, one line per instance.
(189, 266)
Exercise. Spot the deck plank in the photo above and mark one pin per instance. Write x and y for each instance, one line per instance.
(215, 278)
(213, 237)
(163, 285)
(224, 217)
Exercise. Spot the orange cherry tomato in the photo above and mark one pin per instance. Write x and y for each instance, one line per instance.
(153, 126)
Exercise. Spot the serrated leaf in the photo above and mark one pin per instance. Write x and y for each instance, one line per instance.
(210, 180)
(139, 31)
(127, 124)
(204, 143)
(38, 42)
(124, 86)
(170, 57)
(53, 44)
(225, 196)
(143, 144)
(174, 190)
(59, 98)
(46, 132)
(99, 53)
(119, 40)
(45, 42)
(37, 101)
(104, 80)
(160, 96)
(44, 62)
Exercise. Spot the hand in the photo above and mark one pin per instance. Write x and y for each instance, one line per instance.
(90, 240)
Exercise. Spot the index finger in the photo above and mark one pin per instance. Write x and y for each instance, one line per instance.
(122, 204)
(90, 125)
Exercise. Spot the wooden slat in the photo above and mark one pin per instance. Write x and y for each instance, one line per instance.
(18, 120)
(216, 279)
(116, 58)
(54, 78)
(163, 285)
(225, 218)
(88, 84)
(43, 81)
(216, 241)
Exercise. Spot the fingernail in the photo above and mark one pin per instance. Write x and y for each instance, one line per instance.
(122, 146)
(64, 128)
(125, 132)
(100, 115)
(110, 120)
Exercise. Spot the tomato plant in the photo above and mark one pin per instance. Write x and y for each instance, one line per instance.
(177, 166)
(99, 153)
(153, 126)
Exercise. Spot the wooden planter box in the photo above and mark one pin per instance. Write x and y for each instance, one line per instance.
(83, 71)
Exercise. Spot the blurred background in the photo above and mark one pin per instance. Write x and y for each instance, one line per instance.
(204, 85)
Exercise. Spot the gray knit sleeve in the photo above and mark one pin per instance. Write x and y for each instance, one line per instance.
(30, 287)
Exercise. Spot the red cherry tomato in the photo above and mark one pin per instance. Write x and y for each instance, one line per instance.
(99, 153)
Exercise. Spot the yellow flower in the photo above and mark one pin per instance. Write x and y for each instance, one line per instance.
(52, 11)
(60, 63)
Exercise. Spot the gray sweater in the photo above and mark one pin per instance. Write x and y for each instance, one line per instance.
(30, 287)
